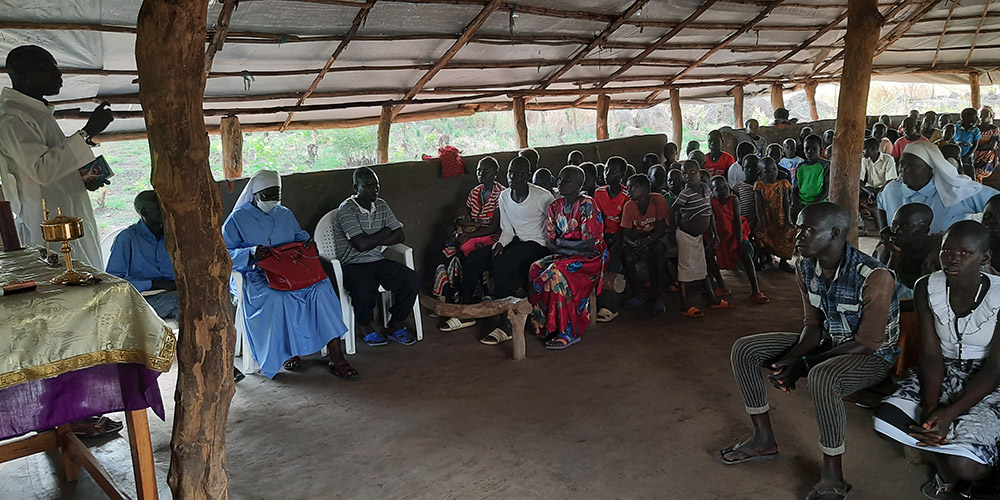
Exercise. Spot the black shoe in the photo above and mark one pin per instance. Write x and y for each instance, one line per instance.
(238, 375)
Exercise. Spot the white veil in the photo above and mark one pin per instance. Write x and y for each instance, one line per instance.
(259, 182)
(952, 186)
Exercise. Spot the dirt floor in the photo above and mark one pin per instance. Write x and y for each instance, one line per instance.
(633, 411)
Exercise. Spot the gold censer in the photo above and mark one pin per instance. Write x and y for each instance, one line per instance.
(63, 228)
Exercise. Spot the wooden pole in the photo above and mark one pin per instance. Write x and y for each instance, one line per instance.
(603, 103)
(738, 106)
(974, 87)
(676, 118)
(863, 25)
(383, 134)
(520, 123)
(232, 147)
(777, 96)
(811, 97)
(170, 58)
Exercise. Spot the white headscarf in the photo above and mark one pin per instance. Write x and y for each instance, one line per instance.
(259, 182)
(952, 186)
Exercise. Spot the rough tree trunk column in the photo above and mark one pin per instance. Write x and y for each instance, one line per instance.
(676, 118)
(738, 106)
(974, 87)
(170, 57)
(520, 123)
(777, 97)
(603, 104)
(863, 24)
(383, 134)
(811, 97)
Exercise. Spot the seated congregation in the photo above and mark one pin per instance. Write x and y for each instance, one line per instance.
(920, 313)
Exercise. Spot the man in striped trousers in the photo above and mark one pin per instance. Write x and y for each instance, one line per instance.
(847, 343)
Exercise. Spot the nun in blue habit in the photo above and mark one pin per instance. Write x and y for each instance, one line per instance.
(281, 325)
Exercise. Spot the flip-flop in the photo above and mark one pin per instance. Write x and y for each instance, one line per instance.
(759, 298)
(693, 312)
(659, 309)
(402, 336)
(99, 427)
(721, 305)
(605, 315)
(721, 455)
(562, 341)
(496, 337)
(343, 369)
(722, 293)
(375, 339)
(830, 493)
(937, 489)
(453, 324)
(292, 364)
(635, 303)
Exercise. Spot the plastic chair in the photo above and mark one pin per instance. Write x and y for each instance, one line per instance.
(242, 341)
(327, 246)
(106, 243)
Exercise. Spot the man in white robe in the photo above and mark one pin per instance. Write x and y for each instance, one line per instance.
(38, 161)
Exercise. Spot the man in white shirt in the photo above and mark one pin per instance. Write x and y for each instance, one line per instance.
(37, 161)
(523, 216)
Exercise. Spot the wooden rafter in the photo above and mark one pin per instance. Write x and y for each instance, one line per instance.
(470, 30)
(975, 38)
(355, 25)
(600, 39)
(947, 21)
(802, 46)
(221, 30)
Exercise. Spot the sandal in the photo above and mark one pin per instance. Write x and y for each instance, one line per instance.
(375, 339)
(605, 315)
(693, 312)
(562, 341)
(721, 305)
(293, 364)
(635, 303)
(342, 369)
(453, 324)
(96, 427)
(659, 308)
(674, 287)
(496, 337)
(829, 493)
(722, 293)
(721, 455)
(937, 489)
(759, 298)
(402, 336)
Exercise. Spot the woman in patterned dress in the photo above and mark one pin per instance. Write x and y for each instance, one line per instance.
(562, 282)
(950, 405)
(985, 157)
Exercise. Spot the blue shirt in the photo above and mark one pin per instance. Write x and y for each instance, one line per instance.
(140, 258)
(968, 139)
(896, 194)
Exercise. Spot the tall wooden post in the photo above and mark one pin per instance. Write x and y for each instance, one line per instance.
(232, 148)
(777, 96)
(676, 118)
(603, 104)
(738, 106)
(863, 25)
(520, 123)
(170, 58)
(811, 97)
(383, 134)
(974, 87)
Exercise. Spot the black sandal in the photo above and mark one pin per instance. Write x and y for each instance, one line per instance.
(343, 369)
(293, 364)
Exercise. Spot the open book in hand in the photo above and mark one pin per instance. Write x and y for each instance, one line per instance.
(97, 170)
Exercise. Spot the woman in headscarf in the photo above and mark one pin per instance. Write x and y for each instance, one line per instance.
(281, 325)
(925, 176)
(985, 157)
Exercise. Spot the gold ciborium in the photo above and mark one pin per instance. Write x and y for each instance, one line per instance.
(63, 228)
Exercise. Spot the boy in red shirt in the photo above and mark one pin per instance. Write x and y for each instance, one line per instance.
(717, 162)
(610, 201)
(644, 223)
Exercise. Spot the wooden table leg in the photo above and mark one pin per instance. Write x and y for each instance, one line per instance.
(142, 454)
(70, 469)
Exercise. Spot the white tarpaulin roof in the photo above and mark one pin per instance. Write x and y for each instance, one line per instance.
(275, 49)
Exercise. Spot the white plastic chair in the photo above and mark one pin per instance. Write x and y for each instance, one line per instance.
(106, 243)
(242, 341)
(327, 246)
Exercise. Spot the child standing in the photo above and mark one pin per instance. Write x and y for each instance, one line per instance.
(791, 160)
(775, 232)
(812, 177)
(610, 202)
(692, 216)
(734, 247)
(717, 162)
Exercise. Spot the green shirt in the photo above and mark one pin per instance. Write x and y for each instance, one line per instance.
(810, 178)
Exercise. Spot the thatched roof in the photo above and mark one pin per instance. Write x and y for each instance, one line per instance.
(300, 63)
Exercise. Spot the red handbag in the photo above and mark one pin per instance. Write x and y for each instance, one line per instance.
(292, 266)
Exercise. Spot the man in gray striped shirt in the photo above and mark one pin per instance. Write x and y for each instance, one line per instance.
(364, 225)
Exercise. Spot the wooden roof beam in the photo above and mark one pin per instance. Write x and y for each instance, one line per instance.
(355, 25)
(937, 50)
(600, 39)
(802, 46)
(221, 30)
(467, 34)
(975, 38)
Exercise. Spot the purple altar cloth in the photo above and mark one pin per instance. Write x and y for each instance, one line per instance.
(39, 405)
